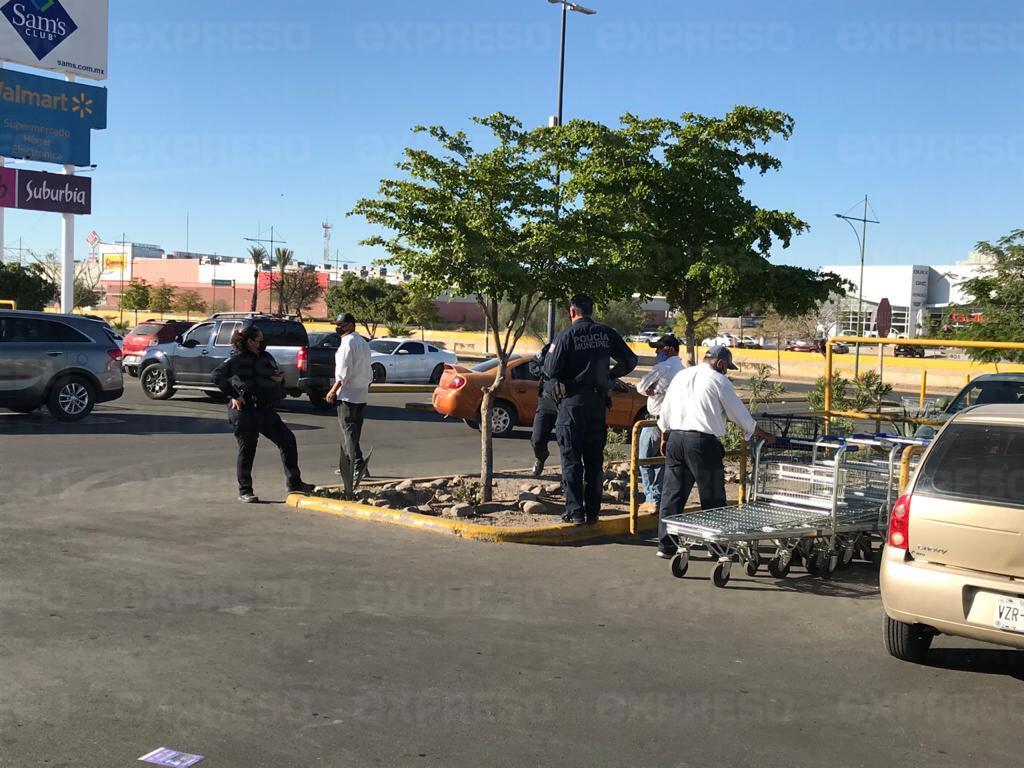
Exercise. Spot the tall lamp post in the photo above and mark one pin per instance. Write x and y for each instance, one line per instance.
(576, 8)
(862, 237)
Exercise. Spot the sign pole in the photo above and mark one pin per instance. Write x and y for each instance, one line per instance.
(67, 248)
(3, 242)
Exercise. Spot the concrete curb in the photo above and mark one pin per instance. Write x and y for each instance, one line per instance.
(406, 388)
(554, 535)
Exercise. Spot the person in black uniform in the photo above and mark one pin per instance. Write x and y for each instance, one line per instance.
(253, 382)
(547, 413)
(578, 365)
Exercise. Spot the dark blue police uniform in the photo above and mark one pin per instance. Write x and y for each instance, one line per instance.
(579, 363)
(547, 409)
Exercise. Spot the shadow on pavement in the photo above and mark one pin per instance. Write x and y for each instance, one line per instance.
(987, 661)
(100, 423)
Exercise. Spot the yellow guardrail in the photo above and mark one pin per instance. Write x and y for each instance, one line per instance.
(635, 463)
(908, 453)
(8, 304)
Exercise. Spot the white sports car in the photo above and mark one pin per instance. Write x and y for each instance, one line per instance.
(406, 361)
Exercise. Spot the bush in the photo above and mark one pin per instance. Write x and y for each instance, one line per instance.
(868, 391)
(840, 397)
(397, 330)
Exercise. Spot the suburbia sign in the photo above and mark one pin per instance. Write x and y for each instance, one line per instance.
(52, 192)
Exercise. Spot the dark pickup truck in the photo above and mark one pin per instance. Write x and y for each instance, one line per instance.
(188, 362)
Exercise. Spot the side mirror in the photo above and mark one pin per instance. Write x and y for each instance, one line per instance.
(403, 352)
(190, 344)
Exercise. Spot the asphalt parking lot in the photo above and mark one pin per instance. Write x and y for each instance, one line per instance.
(141, 606)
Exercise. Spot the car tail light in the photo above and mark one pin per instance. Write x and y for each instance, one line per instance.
(899, 524)
(456, 381)
(153, 341)
(115, 354)
(302, 360)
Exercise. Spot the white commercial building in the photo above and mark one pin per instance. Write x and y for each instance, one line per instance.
(919, 294)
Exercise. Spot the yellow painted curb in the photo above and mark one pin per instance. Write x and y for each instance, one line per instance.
(564, 533)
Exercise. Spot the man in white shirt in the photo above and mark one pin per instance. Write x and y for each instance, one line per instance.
(699, 402)
(654, 385)
(352, 378)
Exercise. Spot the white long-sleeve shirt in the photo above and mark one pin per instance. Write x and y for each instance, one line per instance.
(352, 368)
(655, 383)
(700, 399)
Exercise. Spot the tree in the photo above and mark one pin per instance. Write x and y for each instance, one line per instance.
(86, 296)
(87, 288)
(371, 300)
(136, 296)
(189, 302)
(26, 286)
(626, 316)
(997, 295)
(419, 308)
(161, 298)
(300, 290)
(676, 190)
(258, 254)
(485, 224)
(283, 257)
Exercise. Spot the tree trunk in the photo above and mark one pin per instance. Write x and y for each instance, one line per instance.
(486, 447)
(691, 339)
(255, 290)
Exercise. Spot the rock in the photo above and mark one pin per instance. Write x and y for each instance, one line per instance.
(552, 489)
(536, 490)
(405, 485)
(439, 483)
(527, 496)
(421, 496)
(457, 480)
(443, 498)
(491, 506)
(534, 508)
(527, 487)
(462, 510)
(379, 502)
(426, 509)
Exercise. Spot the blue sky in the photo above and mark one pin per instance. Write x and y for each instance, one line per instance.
(247, 114)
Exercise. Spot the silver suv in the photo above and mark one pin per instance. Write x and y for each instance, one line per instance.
(65, 362)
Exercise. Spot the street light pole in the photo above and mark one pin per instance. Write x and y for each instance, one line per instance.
(566, 7)
(861, 241)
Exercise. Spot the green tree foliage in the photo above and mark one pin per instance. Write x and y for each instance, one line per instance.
(624, 316)
(86, 295)
(998, 295)
(258, 255)
(137, 295)
(189, 302)
(370, 299)
(675, 189)
(282, 257)
(161, 298)
(30, 288)
(419, 308)
(491, 224)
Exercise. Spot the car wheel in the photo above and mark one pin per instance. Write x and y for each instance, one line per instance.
(156, 382)
(319, 401)
(472, 423)
(379, 374)
(71, 399)
(435, 375)
(907, 642)
(503, 419)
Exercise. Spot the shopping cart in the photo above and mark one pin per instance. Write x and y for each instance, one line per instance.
(817, 501)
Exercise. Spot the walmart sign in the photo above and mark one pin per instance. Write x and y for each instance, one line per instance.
(49, 120)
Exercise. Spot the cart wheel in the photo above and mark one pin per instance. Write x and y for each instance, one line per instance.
(751, 567)
(865, 552)
(720, 576)
(811, 563)
(845, 556)
(827, 561)
(876, 558)
(797, 558)
(777, 569)
(680, 566)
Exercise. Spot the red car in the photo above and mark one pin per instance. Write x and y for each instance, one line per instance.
(146, 335)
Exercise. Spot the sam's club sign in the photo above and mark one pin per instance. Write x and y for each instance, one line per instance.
(63, 35)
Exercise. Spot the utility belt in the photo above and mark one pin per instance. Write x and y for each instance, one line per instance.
(561, 390)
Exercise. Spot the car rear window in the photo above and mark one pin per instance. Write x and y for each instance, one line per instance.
(283, 333)
(148, 329)
(490, 365)
(979, 462)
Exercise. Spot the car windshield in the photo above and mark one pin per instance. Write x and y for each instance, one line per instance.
(980, 462)
(384, 347)
(989, 392)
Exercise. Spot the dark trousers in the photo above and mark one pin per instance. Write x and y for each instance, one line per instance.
(249, 425)
(582, 432)
(691, 457)
(543, 427)
(350, 419)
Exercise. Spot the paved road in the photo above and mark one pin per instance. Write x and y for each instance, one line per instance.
(141, 606)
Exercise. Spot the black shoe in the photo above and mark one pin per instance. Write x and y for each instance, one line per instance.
(573, 520)
(538, 468)
(591, 521)
(667, 552)
(248, 498)
(302, 488)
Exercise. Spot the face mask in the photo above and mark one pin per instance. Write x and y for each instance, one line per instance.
(661, 355)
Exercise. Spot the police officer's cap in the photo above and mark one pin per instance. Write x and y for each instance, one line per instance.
(345, 317)
(668, 340)
(719, 352)
(583, 303)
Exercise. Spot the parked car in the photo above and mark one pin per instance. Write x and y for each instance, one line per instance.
(66, 362)
(801, 346)
(189, 361)
(750, 342)
(987, 389)
(644, 337)
(840, 348)
(146, 335)
(118, 337)
(906, 350)
(397, 361)
(954, 559)
(460, 395)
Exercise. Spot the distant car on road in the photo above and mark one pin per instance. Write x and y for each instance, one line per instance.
(146, 335)
(801, 346)
(954, 557)
(644, 337)
(66, 362)
(460, 395)
(907, 350)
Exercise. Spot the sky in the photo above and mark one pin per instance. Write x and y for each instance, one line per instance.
(228, 118)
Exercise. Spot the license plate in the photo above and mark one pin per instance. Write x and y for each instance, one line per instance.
(131, 361)
(1010, 614)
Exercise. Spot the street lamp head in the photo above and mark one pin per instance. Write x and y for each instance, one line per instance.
(574, 7)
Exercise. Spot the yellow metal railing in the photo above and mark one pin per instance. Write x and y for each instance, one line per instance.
(635, 463)
(908, 453)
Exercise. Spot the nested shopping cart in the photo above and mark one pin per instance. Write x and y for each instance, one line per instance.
(816, 500)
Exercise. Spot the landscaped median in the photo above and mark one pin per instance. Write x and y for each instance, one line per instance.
(527, 511)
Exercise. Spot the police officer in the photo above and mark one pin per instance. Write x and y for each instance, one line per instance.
(252, 381)
(546, 414)
(578, 365)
